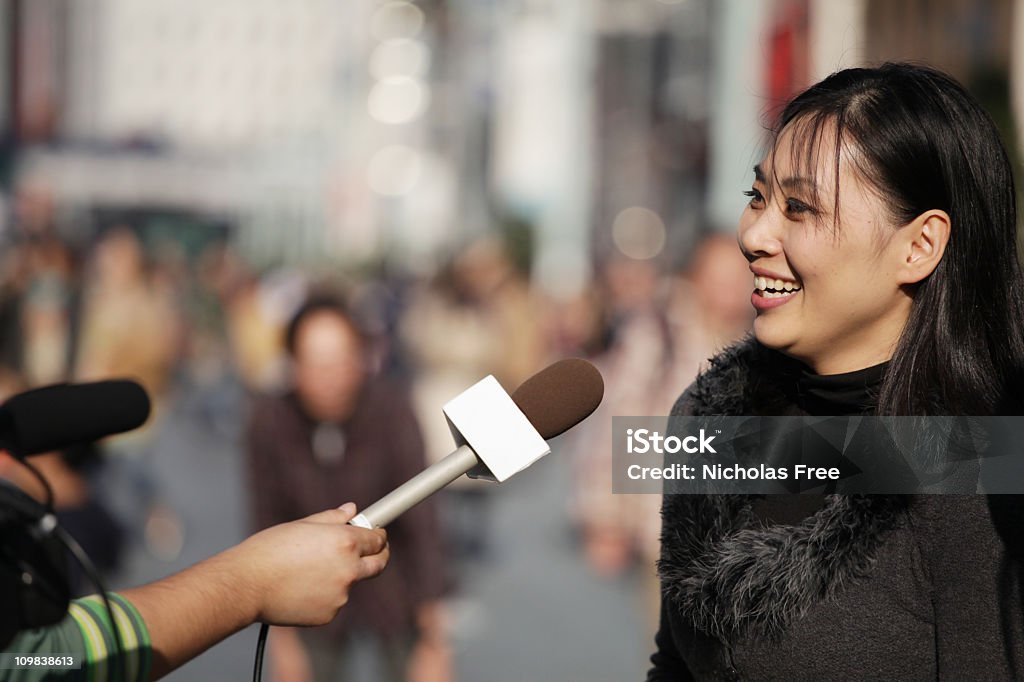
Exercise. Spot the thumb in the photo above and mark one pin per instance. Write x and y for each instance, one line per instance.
(342, 514)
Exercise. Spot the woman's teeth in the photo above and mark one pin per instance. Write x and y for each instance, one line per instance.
(775, 288)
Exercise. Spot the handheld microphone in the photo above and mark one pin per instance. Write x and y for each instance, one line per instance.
(59, 416)
(492, 426)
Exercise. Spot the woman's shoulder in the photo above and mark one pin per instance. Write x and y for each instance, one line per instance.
(737, 380)
(720, 383)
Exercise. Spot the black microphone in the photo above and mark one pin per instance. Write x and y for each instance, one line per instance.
(56, 417)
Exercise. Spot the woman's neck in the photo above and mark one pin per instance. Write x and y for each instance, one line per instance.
(843, 363)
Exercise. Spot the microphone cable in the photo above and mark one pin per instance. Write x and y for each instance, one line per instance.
(47, 490)
(48, 525)
(261, 645)
(90, 570)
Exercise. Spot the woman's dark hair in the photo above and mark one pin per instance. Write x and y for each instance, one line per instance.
(924, 143)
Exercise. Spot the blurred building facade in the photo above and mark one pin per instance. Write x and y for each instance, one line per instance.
(323, 131)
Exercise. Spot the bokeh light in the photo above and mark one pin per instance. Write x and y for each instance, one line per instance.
(399, 57)
(639, 233)
(398, 100)
(396, 20)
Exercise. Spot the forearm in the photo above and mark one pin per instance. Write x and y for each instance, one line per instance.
(296, 573)
(191, 611)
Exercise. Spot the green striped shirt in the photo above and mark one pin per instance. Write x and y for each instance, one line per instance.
(87, 633)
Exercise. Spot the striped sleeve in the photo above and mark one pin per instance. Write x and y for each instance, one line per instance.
(87, 634)
(100, 647)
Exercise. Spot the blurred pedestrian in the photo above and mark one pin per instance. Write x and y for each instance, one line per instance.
(340, 433)
(477, 317)
(129, 328)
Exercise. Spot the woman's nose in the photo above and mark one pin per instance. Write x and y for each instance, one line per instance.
(760, 234)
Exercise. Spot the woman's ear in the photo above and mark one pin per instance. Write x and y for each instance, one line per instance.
(922, 242)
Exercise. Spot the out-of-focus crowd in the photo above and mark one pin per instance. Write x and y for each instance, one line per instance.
(349, 390)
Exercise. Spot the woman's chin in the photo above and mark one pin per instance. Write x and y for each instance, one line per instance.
(773, 335)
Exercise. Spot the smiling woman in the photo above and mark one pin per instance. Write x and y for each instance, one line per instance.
(842, 269)
(881, 236)
(888, 197)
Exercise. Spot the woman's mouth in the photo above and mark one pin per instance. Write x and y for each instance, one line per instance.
(771, 293)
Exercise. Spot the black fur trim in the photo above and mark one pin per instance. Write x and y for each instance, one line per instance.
(727, 574)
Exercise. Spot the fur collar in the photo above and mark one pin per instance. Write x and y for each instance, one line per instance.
(730, 576)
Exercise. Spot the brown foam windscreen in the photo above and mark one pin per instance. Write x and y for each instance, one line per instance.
(559, 397)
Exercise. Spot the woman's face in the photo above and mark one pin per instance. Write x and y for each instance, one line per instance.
(827, 292)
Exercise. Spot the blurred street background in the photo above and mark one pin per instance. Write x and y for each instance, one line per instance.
(490, 185)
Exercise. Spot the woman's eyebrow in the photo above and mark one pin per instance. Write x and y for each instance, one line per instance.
(797, 181)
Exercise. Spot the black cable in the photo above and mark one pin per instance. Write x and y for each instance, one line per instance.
(90, 570)
(48, 525)
(261, 644)
(48, 502)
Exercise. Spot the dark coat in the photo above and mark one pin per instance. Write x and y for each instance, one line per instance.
(869, 587)
(383, 449)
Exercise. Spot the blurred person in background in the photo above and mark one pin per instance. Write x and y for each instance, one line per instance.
(214, 363)
(48, 310)
(39, 293)
(477, 317)
(707, 309)
(379, 300)
(574, 325)
(341, 433)
(661, 330)
(255, 333)
(130, 328)
(637, 358)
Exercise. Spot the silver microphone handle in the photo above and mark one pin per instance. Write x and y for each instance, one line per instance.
(416, 489)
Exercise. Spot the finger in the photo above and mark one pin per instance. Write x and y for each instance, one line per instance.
(370, 566)
(368, 541)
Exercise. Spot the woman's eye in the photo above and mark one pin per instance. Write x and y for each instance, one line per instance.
(796, 206)
(755, 196)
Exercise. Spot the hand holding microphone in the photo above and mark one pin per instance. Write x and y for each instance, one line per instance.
(500, 434)
(187, 612)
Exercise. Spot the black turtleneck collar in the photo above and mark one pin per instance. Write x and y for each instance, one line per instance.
(828, 395)
(840, 394)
